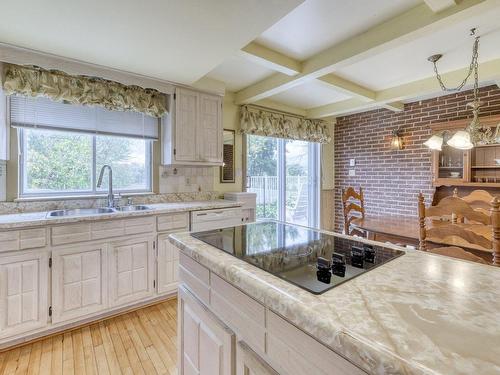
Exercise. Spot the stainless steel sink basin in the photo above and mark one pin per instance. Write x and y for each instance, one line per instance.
(81, 212)
(133, 208)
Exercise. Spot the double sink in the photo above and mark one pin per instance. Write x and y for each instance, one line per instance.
(96, 211)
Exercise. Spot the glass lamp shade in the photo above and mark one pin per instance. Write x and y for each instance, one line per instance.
(396, 142)
(435, 142)
(461, 140)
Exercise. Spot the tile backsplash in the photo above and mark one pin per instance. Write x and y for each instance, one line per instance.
(186, 179)
(177, 184)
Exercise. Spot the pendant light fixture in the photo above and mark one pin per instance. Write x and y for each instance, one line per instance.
(475, 133)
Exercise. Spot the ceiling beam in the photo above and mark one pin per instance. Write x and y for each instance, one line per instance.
(347, 87)
(399, 30)
(488, 72)
(268, 103)
(271, 59)
(394, 106)
(440, 5)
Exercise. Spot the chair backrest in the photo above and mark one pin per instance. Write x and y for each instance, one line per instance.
(443, 231)
(353, 205)
(479, 200)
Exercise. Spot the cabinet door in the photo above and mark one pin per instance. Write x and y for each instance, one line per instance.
(210, 128)
(131, 270)
(206, 346)
(23, 292)
(249, 363)
(79, 281)
(186, 122)
(168, 265)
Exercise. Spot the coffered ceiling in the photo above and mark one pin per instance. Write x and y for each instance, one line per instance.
(319, 58)
(333, 57)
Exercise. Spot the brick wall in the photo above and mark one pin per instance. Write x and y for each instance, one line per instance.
(392, 178)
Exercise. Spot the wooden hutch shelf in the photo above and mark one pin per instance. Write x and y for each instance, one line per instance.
(475, 168)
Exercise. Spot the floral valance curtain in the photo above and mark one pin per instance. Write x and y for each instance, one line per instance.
(261, 122)
(59, 86)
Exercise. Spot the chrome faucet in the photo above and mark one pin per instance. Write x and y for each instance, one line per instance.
(111, 197)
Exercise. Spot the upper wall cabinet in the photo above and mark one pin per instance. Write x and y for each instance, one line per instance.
(192, 131)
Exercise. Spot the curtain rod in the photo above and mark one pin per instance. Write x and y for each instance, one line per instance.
(274, 110)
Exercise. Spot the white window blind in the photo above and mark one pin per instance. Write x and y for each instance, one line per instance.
(44, 113)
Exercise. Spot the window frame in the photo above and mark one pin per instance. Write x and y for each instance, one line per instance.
(314, 171)
(94, 192)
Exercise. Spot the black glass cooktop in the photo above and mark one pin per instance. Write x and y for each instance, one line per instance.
(310, 259)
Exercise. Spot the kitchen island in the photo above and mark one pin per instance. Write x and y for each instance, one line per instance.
(417, 314)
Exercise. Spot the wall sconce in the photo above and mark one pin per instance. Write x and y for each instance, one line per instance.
(396, 140)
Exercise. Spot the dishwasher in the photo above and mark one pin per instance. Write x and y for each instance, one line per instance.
(215, 219)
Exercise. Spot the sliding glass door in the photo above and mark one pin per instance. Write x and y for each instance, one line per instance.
(285, 175)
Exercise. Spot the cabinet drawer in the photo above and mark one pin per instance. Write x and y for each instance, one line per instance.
(139, 225)
(99, 230)
(70, 234)
(23, 239)
(297, 353)
(173, 222)
(196, 277)
(107, 229)
(242, 313)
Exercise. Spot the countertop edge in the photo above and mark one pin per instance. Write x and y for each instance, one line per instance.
(363, 353)
(156, 209)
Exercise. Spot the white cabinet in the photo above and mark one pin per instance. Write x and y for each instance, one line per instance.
(248, 204)
(209, 132)
(79, 281)
(207, 346)
(192, 131)
(187, 105)
(23, 292)
(131, 270)
(249, 363)
(168, 265)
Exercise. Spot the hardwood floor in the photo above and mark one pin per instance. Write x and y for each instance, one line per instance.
(139, 342)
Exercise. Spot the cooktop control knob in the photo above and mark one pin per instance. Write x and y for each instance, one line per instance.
(323, 273)
(324, 264)
(369, 253)
(357, 256)
(338, 264)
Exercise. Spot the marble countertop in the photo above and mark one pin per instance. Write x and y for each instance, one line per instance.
(34, 219)
(418, 314)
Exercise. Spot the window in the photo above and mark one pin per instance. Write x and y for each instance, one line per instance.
(63, 147)
(67, 163)
(285, 175)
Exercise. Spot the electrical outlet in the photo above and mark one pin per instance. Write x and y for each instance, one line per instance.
(352, 162)
(352, 172)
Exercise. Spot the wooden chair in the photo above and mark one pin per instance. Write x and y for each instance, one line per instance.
(479, 200)
(458, 235)
(353, 205)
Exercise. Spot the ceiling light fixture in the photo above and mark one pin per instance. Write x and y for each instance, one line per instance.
(475, 133)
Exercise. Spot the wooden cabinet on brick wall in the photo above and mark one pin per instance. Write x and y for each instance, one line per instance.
(450, 166)
(192, 131)
(476, 167)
